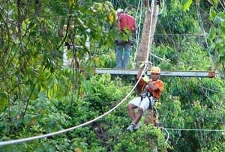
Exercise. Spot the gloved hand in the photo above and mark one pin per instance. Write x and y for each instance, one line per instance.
(146, 78)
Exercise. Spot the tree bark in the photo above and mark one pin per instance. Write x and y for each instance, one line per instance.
(145, 44)
(148, 29)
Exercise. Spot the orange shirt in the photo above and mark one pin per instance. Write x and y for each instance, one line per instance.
(158, 83)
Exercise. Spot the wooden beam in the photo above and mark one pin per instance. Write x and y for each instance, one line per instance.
(209, 74)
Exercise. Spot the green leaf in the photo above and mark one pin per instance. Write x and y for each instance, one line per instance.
(218, 20)
(3, 100)
(215, 2)
(186, 4)
(223, 24)
(70, 2)
(212, 14)
(212, 33)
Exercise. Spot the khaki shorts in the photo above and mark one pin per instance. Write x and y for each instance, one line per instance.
(143, 104)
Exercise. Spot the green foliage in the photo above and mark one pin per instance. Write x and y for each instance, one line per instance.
(38, 96)
(174, 20)
(186, 4)
(190, 106)
(4, 101)
(108, 60)
(147, 139)
(102, 91)
(217, 36)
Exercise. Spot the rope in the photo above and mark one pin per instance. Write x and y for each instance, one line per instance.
(150, 29)
(138, 33)
(140, 6)
(168, 134)
(171, 34)
(212, 90)
(176, 129)
(159, 58)
(3, 143)
(81, 125)
(163, 5)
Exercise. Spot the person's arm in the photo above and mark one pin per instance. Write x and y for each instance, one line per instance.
(134, 27)
(139, 74)
(140, 69)
(152, 86)
(118, 22)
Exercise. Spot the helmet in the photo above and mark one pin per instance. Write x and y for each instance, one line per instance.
(155, 70)
(119, 10)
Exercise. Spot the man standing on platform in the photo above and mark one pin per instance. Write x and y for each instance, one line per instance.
(127, 26)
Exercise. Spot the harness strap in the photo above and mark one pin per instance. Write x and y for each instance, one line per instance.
(150, 98)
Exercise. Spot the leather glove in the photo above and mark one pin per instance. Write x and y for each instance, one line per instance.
(146, 78)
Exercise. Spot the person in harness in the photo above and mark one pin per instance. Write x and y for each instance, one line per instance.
(151, 91)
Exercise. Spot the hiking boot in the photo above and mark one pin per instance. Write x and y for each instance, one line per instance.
(137, 126)
(131, 127)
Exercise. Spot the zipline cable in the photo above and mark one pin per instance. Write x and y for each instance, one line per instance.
(205, 38)
(159, 58)
(212, 90)
(206, 130)
(168, 134)
(150, 29)
(138, 33)
(163, 5)
(137, 36)
(180, 129)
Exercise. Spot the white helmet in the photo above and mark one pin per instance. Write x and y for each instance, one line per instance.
(119, 10)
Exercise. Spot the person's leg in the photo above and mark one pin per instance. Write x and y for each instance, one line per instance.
(130, 108)
(142, 108)
(119, 51)
(138, 116)
(134, 103)
(126, 56)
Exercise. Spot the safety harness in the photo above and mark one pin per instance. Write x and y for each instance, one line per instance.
(148, 94)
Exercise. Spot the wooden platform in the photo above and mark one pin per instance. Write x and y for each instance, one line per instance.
(209, 74)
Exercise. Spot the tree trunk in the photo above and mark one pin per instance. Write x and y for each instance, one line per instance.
(147, 34)
(145, 45)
